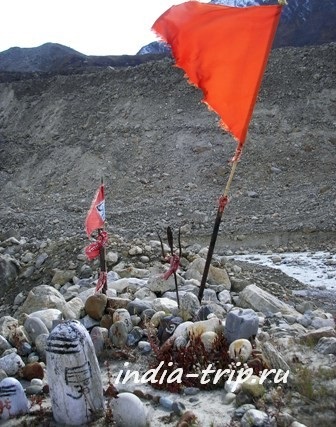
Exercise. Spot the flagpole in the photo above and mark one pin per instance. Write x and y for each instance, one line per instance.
(223, 200)
(102, 253)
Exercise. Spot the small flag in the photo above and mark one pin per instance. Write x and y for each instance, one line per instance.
(96, 216)
(223, 51)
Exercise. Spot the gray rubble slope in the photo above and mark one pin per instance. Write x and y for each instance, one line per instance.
(163, 156)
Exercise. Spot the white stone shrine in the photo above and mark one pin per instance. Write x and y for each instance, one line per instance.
(74, 376)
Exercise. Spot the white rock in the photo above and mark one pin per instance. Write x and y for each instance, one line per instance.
(211, 325)
(208, 339)
(13, 401)
(182, 329)
(48, 316)
(128, 410)
(164, 304)
(240, 350)
(74, 377)
(11, 363)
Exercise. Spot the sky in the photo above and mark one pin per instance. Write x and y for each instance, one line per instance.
(92, 27)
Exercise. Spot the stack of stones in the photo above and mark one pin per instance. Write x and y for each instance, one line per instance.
(58, 331)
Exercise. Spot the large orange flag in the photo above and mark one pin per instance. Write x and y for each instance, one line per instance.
(224, 51)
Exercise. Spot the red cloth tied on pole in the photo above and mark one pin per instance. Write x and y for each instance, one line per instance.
(174, 261)
(102, 281)
(95, 218)
(93, 250)
(224, 51)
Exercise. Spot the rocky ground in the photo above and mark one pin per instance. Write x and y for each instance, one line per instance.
(165, 162)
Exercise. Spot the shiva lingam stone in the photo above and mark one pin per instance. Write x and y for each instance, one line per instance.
(13, 401)
(74, 377)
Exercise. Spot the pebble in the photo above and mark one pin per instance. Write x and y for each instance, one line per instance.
(144, 347)
(166, 403)
(240, 350)
(11, 363)
(128, 410)
(35, 327)
(254, 418)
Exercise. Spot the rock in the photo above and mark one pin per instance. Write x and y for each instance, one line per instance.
(252, 387)
(118, 334)
(48, 316)
(259, 300)
(11, 363)
(4, 344)
(128, 410)
(144, 347)
(7, 324)
(315, 335)
(74, 377)
(167, 327)
(209, 296)
(73, 309)
(134, 336)
(121, 314)
(212, 325)
(224, 297)
(240, 350)
(41, 344)
(62, 276)
(156, 318)
(326, 345)
(254, 418)
(32, 370)
(182, 329)
(18, 338)
(164, 304)
(106, 321)
(156, 283)
(208, 339)
(137, 306)
(13, 401)
(9, 269)
(95, 305)
(35, 327)
(240, 411)
(40, 298)
(216, 276)
(98, 336)
(117, 302)
(189, 306)
(273, 356)
(241, 323)
(145, 293)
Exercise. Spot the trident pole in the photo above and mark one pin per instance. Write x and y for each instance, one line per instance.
(223, 200)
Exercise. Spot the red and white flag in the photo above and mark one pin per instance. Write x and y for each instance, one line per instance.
(95, 218)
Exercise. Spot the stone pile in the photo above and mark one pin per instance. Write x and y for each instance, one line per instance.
(67, 317)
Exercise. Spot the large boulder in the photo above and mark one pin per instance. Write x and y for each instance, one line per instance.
(40, 298)
(259, 300)
(216, 276)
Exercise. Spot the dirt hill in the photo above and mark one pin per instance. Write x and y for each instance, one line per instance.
(165, 159)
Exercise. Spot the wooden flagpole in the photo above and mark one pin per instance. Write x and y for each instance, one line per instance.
(221, 206)
(102, 252)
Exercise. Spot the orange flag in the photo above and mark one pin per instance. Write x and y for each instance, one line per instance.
(96, 216)
(224, 51)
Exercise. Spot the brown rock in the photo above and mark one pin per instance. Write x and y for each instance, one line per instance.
(115, 303)
(106, 321)
(32, 370)
(95, 306)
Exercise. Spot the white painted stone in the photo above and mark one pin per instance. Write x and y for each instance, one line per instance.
(74, 377)
(13, 400)
(240, 350)
(198, 328)
(128, 410)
